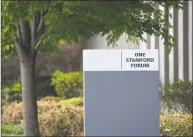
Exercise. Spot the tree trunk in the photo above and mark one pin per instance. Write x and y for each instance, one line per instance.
(26, 40)
(30, 115)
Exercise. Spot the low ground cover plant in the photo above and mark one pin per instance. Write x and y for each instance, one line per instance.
(67, 120)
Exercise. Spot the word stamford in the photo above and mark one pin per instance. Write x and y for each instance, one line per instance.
(141, 62)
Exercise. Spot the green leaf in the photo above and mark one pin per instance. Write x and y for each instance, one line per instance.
(72, 20)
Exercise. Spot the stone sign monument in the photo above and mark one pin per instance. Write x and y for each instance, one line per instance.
(121, 92)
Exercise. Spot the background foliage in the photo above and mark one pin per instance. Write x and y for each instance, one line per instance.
(178, 96)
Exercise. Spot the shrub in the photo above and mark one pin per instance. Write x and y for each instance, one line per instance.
(68, 85)
(54, 120)
(68, 121)
(176, 125)
(45, 106)
(71, 102)
(12, 92)
(12, 112)
(178, 96)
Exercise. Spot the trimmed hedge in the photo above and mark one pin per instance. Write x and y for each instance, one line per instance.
(64, 120)
(176, 125)
(71, 102)
(68, 85)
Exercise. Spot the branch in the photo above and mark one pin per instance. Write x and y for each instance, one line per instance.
(19, 48)
(16, 39)
(37, 31)
(39, 35)
(19, 34)
(40, 28)
(25, 34)
(33, 31)
(41, 23)
(37, 19)
(36, 51)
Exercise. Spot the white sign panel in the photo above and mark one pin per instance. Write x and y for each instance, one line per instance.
(121, 96)
(120, 60)
(101, 60)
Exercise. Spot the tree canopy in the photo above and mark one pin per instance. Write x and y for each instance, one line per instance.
(75, 20)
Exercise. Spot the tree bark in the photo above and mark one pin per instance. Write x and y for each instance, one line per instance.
(25, 40)
(30, 115)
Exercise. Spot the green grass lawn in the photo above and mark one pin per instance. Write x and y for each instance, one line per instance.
(11, 130)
